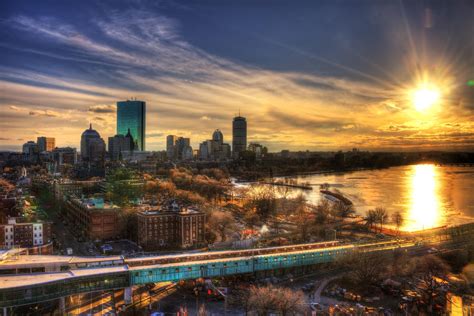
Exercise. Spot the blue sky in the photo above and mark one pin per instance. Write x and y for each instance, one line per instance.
(319, 75)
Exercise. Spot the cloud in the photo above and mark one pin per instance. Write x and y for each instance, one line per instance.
(153, 135)
(102, 108)
(144, 54)
(47, 113)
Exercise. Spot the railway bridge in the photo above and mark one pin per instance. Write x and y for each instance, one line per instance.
(33, 279)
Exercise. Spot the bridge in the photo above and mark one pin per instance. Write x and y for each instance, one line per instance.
(35, 279)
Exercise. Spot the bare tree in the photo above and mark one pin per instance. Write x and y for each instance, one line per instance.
(382, 215)
(371, 218)
(365, 268)
(322, 211)
(221, 222)
(430, 274)
(263, 200)
(264, 300)
(397, 219)
(343, 210)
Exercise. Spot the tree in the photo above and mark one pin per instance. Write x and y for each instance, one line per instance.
(371, 218)
(263, 201)
(267, 299)
(123, 186)
(430, 273)
(322, 211)
(381, 214)
(366, 268)
(221, 222)
(303, 218)
(343, 210)
(397, 219)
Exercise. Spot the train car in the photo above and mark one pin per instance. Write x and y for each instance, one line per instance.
(211, 255)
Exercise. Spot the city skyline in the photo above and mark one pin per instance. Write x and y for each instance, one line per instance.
(299, 87)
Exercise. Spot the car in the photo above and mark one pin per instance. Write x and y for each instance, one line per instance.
(316, 306)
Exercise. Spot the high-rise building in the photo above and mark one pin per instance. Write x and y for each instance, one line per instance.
(215, 148)
(30, 148)
(218, 137)
(119, 144)
(45, 143)
(182, 145)
(92, 146)
(205, 150)
(170, 146)
(239, 135)
(131, 115)
(64, 155)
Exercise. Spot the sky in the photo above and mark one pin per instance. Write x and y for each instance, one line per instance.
(307, 75)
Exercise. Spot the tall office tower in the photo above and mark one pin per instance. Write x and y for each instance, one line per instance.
(120, 143)
(65, 155)
(182, 145)
(45, 143)
(218, 137)
(239, 135)
(92, 146)
(131, 115)
(30, 148)
(170, 146)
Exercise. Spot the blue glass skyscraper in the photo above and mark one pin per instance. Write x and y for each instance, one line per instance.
(131, 115)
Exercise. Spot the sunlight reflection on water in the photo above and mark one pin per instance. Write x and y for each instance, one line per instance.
(425, 203)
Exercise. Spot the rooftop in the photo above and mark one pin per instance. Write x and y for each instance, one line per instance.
(95, 203)
(167, 209)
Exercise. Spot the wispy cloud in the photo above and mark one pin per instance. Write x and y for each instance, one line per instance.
(47, 113)
(190, 91)
(102, 108)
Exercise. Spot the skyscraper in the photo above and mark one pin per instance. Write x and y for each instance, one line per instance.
(120, 143)
(30, 148)
(218, 137)
(182, 146)
(92, 146)
(45, 143)
(170, 146)
(131, 115)
(239, 135)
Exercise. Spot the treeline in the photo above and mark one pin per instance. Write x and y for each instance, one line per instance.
(188, 186)
(278, 165)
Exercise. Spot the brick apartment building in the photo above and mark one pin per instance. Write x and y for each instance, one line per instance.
(171, 227)
(64, 188)
(93, 218)
(24, 235)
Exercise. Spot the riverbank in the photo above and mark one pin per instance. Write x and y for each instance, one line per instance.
(289, 185)
(426, 195)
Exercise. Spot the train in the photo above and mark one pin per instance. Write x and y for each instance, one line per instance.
(38, 264)
(213, 255)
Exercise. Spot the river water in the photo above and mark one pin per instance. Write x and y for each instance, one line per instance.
(427, 195)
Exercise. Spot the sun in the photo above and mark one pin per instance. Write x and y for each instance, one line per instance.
(424, 98)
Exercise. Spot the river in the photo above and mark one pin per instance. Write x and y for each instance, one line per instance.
(427, 195)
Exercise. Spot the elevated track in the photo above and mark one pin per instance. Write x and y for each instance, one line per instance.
(33, 279)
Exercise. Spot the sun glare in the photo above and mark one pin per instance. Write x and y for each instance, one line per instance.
(425, 98)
